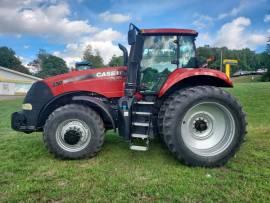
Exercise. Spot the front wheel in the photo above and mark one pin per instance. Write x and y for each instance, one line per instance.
(73, 132)
(203, 126)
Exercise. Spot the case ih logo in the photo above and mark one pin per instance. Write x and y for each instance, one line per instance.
(109, 73)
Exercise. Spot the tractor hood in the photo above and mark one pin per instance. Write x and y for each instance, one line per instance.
(107, 81)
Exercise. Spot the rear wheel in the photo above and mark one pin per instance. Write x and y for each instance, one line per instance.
(74, 131)
(203, 126)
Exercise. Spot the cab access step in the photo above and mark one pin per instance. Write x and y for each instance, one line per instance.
(141, 120)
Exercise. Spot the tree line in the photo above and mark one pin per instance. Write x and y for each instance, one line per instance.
(47, 64)
(248, 60)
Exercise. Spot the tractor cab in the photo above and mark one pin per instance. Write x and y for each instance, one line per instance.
(83, 65)
(155, 53)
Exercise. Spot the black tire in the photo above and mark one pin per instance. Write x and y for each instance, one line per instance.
(161, 115)
(176, 108)
(82, 114)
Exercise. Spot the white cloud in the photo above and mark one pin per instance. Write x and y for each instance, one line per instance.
(256, 39)
(204, 39)
(202, 21)
(114, 17)
(267, 18)
(101, 41)
(51, 20)
(242, 5)
(233, 12)
(107, 35)
(235, 36)
(25, 62)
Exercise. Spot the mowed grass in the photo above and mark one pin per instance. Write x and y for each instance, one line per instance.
(28, 173)
(247, 79)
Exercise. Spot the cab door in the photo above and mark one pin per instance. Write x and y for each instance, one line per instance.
(158, 56)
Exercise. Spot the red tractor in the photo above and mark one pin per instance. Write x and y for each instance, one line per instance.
(159, 91)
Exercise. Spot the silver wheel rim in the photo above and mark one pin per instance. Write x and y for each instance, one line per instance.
(73, 135)
(208, 128)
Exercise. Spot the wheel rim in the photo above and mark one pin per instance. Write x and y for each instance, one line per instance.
(208, 128)
(73, 135)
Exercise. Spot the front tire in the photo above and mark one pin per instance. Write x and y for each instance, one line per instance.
(203, 126)
(73, 132)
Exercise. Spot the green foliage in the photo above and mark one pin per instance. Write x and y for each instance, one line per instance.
(268, 46)
(264, 62)
(116, 61)
(266, 76)
(29, 173)
(49, 65)
(265, 59)
(93, 56)
(8, 59)
(247, 59)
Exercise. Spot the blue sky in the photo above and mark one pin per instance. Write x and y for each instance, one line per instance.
(66, 27)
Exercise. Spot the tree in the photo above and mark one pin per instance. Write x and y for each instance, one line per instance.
(116, 61)
(247, 59)
(8, 59)
(49, 65)
(93, 56)
(268, 46)
(264, 60)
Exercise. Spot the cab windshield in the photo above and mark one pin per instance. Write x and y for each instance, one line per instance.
(159, 58)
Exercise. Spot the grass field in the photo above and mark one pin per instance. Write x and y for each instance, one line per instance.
(247, 79)
(29, 173)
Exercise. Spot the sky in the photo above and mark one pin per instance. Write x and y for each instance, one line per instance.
(65, 27)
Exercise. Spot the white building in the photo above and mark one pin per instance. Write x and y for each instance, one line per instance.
(14, 82)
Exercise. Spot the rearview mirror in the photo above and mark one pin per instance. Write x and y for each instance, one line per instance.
(131, 37)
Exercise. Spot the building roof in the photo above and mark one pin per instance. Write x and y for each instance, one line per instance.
(169, 31)
(19, 73)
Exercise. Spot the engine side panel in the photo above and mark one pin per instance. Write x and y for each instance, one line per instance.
(108, 82)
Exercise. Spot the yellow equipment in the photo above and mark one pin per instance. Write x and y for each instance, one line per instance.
(228, 63)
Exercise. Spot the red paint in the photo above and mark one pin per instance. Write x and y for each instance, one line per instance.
(108, 86)
(138, 96)
(113, 86)
(169, 31)
(183, 73)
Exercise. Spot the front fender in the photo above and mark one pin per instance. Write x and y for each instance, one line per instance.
(76, 97)
(182, 74)
(94, 102)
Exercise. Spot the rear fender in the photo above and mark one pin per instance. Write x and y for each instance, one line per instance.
(183, 77)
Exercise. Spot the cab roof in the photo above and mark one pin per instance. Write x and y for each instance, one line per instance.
(168, 31)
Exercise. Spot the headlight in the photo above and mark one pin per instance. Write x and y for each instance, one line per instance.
(27, 106)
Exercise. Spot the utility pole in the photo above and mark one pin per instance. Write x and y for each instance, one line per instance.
(221, 60)
(268, 46)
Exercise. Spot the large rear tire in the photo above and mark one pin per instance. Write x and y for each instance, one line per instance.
(203, 126)
(74, 132)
